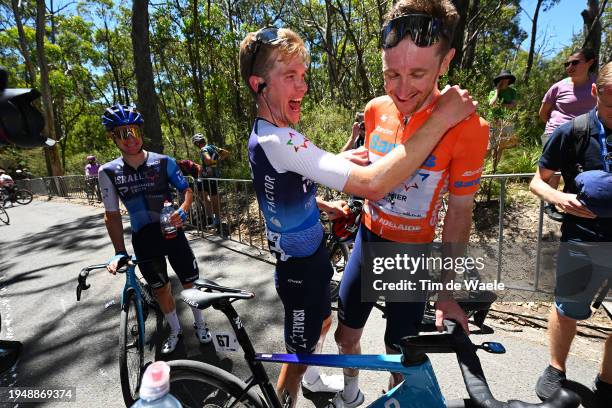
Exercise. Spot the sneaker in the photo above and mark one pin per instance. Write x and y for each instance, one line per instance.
(551, 212)
(602, 392)
(171, 343)
(202, 333)
(324, 383)
(549, 382)
(339, 402)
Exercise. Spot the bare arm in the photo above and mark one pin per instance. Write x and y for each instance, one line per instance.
(334, 209)
(545, 110)
(114, 226)
(567, 202)
(351, 140)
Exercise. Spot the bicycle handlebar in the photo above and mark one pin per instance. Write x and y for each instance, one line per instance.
(455, 340)
(82, 279)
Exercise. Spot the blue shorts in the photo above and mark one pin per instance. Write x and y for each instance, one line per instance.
(403, 318)
(150, 244)
(582, 269)
(303, 286)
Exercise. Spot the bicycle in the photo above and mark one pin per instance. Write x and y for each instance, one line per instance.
(198, 384)
(18, 195)
(136, 300)
(4, 217)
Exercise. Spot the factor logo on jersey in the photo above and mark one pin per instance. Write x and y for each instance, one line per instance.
(297, 147)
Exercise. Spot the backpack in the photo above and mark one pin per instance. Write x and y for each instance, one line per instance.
(573, 151)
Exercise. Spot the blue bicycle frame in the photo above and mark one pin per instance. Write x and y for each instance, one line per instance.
(131, 284)
(419, 389)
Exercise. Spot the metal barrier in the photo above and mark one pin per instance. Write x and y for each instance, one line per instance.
(233, 213)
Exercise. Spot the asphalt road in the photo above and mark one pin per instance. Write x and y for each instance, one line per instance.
(70, 344)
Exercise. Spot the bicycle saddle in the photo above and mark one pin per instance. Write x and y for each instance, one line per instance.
(212, 285)
(203, 300)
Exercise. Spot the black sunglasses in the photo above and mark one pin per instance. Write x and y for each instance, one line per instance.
(573, 62)
(267, 35)
(424, 30)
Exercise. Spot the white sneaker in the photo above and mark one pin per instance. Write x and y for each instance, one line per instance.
(324, 383)
(339, 402)
(202, 333)
(170, 343)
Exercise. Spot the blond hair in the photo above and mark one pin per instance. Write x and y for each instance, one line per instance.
(287, 46)
(441, 9)
(604, 77)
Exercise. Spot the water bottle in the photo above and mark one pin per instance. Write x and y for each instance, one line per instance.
(155, 387)
(168, 230)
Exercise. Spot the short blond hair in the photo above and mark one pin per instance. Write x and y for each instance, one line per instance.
(604, 77)
(288, 45)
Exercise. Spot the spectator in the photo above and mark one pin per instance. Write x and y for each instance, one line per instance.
(357, 138)
(91, 177)
(502, 98)
(579, 149)
(565, 100)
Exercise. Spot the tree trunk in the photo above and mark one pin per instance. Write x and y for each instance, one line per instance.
(24, 45)
(457, 43)
(469, 53)
(534, 31)
(592, 26)
(54, 166)
(147, 98)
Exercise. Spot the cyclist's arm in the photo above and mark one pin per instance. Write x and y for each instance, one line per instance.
(223, 153)
(179, 181)
(207, 159)
(114, 226)
(334, 209)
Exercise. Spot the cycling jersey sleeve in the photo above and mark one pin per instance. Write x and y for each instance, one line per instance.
(288, 150)
(468, 157)
(109, 192)
(175, 176)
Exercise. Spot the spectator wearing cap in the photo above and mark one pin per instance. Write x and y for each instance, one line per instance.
(565, 100)
(581, 150)
(503, 97)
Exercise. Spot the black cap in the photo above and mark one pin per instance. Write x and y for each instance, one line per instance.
(504, 74)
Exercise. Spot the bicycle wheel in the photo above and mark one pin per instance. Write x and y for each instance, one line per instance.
(197, 384)
(23, 196)
(131, 351)
(4, 217)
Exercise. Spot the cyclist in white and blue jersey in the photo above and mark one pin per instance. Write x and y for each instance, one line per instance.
(142, 180)
(285, 168)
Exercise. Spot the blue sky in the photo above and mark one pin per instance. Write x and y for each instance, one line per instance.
(555, 26)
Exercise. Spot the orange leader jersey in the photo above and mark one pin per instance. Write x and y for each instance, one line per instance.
(410, 212)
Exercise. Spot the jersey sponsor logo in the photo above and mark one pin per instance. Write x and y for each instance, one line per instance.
(269, 193)
(383, 117)
(383, 130)
(402, 227)
(381, 146)
(298, 329)
(465, 184)
(430, 162)
(296, 143)
(472, 172)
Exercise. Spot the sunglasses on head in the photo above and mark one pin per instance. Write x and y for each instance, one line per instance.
(125, 133)
(267, 35)
(424, 30)
(573, 63)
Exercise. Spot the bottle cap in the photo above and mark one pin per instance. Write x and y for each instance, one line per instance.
(156, 381)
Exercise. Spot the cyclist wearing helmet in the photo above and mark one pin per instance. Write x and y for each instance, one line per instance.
(210, 156)
(141, 180)
(8, 185)
(581, 149)
(285, 167)
(91, 176)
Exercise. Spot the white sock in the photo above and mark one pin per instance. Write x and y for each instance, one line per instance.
(173, 321)
(351, 388)
(312, 374)
(198, 316)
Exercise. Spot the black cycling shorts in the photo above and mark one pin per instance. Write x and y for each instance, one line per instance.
(303, 287)
(150, 244)
(208, 185)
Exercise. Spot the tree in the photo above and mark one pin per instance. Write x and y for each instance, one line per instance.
(457, 44)
(592, 25)
(147, 97)
(54, 167)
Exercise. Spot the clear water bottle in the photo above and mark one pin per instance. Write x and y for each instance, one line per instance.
(167, 228)
(155, 388)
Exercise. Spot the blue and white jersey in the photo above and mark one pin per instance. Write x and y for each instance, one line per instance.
(142, 190)
(285, 167)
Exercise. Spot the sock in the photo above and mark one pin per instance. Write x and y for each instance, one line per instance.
(198, 317)
(173, 321)
(312, 374)
(351, 388)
